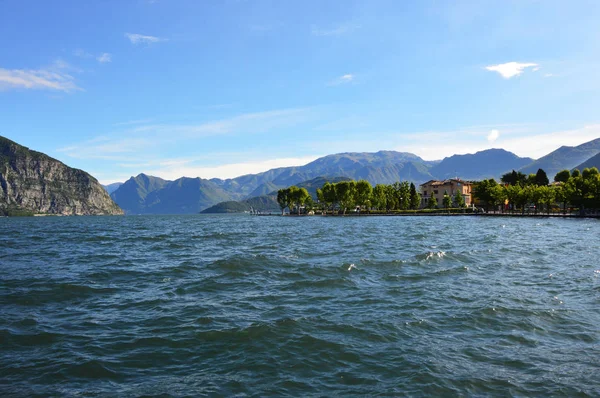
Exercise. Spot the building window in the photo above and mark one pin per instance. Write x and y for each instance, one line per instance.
(435, 192)
(424, 193)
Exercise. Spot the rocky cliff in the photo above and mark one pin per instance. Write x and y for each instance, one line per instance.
(33, 182)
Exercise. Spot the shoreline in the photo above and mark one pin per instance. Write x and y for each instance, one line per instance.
(516, 215)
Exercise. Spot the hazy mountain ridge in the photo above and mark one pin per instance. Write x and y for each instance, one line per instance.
(33, 182)
(565, 157)
(594, 161)
(490, 163)
(110, 188)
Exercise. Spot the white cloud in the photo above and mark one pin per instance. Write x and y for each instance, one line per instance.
(107, 148)
(510, 69)
(493, 135)
(347, 78)
(39, 79)
(258, 122)
(337, 31)
(548, 75)
(135, 38)
(104, 58)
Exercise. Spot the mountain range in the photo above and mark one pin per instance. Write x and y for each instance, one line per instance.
(151, 195)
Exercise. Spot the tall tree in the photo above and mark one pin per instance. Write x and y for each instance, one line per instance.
(301, 196)
(459, 200)
(379, 196)
(402, 193)
(415, 197)
(346, 192)
(483, 191)
(513, 194)
(293, 195)
(498, 196)
(432, 203)
(537, 196)
(547, 197)
(329, 194)
(591, 186)
(321, 199)
(575, 189)
(447, 202)
(391, 200)
(560, 193)
(525, 197)
(283, 198)
(541, 179)
(364, 190)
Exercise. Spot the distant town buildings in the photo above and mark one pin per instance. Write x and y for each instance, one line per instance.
(437, 189)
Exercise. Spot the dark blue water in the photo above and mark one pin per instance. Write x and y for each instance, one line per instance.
(272, 306)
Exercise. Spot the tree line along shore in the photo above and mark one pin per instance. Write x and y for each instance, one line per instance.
(571, 192)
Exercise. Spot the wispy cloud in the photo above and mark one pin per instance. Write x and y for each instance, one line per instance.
(512, 69)
(347, 78)
(104, 58)
(52, 78)
(80, 53)
(133, 122)
(258, 122)
(108, 148)
(335, 31)
(136, 38)
(139, 136)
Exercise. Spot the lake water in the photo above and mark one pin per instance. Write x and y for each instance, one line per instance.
(272, 306)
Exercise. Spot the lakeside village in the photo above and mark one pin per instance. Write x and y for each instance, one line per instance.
(570, 193)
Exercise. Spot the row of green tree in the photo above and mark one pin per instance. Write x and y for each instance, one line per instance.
(361, 194)
(575, 189)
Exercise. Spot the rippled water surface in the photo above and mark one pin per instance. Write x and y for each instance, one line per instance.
(272, 306)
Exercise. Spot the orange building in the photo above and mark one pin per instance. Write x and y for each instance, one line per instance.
(438, 189)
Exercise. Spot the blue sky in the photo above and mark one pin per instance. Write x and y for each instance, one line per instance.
(225, 88)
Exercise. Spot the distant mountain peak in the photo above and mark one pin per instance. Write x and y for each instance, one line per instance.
(488, 163)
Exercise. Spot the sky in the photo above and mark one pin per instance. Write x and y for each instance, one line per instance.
(224, 88)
